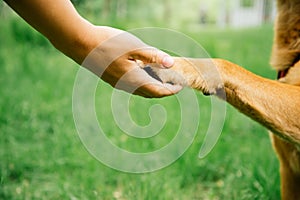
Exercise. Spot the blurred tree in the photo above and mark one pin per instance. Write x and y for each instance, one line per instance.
(106, 10)
(268, 10)
(247, 3)
(122, 8)
(167, 10)
(113, 9)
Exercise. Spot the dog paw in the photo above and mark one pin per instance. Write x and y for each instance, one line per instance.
(199, 74)
(165, 75)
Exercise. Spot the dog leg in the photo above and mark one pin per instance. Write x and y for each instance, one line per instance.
(286, 52)
(289, 158)
(275, 105)
(271, 103)
(288, 154)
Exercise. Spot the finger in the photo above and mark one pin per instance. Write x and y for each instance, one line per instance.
(160, 90)
(154, 88)
(153, 55)
(137, 81)
(173, 88)
(142, 94)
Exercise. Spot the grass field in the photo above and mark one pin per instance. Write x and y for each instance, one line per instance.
(42, 157)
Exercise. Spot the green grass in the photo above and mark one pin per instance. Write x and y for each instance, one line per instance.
(41, 156)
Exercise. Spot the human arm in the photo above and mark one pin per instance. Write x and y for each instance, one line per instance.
(70, 33)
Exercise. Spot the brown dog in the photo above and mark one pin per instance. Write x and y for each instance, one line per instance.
(274, 104)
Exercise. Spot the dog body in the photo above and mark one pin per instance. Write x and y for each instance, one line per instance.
(286, 54)
(274, 104)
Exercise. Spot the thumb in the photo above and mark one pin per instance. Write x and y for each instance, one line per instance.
(153, 55)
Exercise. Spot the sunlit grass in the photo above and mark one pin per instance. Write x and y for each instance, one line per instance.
(41, 156)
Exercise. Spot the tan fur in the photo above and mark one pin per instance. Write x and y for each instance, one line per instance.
(274, 104)
(293, 76)
(286, 46)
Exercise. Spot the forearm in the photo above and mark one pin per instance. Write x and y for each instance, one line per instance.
(60, 23)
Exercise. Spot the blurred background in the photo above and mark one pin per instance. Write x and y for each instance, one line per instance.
(189, 15)
(41, 156)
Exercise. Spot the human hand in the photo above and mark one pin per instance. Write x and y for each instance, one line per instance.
(112, 54)
(119, 59)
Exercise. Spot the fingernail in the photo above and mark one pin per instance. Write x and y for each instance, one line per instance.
(168, 61)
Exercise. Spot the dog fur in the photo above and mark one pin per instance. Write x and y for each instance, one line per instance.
(274, 104)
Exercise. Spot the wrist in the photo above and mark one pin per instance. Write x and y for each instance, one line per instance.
(88, 38)
(76, 43)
